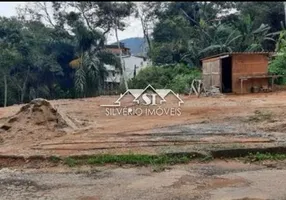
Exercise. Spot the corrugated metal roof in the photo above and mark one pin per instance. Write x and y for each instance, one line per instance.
(238, 53)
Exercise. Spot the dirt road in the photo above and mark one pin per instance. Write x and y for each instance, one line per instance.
(217, 180)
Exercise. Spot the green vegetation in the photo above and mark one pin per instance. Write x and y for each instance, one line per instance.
(176, 77)
(54, 159)
(62, 54)
(188, 31)
(71, 162)
(134, 159)
(61, 58)
(277, 66)
(265, 156)
(159, 162)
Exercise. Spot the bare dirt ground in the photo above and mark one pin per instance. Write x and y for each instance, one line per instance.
(219, 180)
(206, 124)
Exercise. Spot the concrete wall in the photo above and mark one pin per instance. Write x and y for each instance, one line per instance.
(248, 65)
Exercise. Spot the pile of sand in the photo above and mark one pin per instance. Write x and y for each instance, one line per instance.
(38, 119)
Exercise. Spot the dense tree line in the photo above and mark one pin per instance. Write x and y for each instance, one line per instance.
(62, 54)
(62, 58)
(188, 31)
(185, 32)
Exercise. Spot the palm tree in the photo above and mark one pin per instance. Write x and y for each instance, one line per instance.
(89, 64)
(252, 38)
(223, 40)
(242, 36)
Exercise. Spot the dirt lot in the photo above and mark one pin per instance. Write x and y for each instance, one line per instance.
(222, 125)
(206, 122)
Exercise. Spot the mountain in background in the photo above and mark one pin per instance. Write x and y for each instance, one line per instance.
(137, 45)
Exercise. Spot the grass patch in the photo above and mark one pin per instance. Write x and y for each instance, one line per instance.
(133, 159)
(71, 162)
(137, 159)
(265, 156)
(260, 116)
(54, 159)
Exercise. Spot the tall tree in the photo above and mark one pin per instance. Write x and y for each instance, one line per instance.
(147, 13)
(268, 13)
(9, 37)
(111, 16)
(186, 32)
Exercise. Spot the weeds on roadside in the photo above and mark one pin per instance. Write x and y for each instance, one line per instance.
(54, 159)
(71, 162)
(157, 161)
(265, 156)
(137, 159)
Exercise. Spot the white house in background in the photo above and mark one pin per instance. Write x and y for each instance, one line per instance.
(133, 64)
(113, 74)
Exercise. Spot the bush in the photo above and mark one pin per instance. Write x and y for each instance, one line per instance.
(181, 83)
(176, 77)
(278, 67)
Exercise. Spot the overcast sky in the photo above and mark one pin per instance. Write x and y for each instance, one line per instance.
(134, 28)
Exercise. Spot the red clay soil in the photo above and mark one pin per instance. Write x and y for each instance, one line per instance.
(96, 131)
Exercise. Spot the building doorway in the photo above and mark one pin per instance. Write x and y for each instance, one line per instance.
(226, 74)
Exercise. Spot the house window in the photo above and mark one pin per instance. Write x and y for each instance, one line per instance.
(113, 73)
